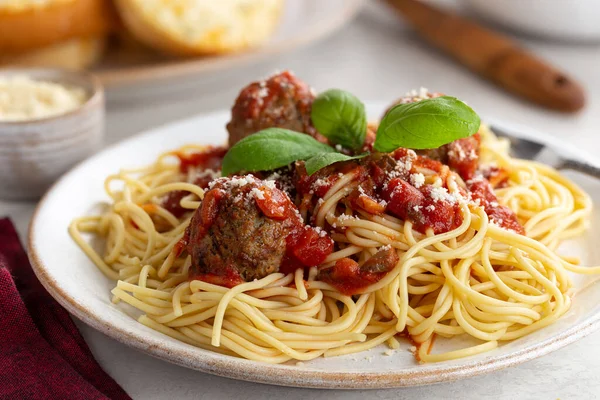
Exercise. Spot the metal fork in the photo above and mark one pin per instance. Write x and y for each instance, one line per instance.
(532, 150)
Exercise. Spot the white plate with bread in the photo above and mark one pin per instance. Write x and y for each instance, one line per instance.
(147, 46)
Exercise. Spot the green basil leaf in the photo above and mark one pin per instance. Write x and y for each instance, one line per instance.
(426, 124)
(340, 117)
(322, 160)
(269, 149)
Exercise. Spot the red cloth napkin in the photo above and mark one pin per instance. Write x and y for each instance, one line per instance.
(42, 354)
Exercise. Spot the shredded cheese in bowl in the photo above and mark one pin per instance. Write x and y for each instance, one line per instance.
(22, 98)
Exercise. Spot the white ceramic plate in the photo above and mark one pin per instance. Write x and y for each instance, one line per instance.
(76, 283)
(136, 74)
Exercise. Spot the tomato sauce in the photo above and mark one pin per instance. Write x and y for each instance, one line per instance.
(380, 186)
(211, 158)
(350, 278)
(418, 206)
(172, 203)
(321, 181)
(482, 192)
(275, 204)
(367, 203)
(305, 248)
(227, 277)
(463, 156)
(497, 176)
(203, 219)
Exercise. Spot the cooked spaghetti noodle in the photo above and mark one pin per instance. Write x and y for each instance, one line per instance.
(478, 279)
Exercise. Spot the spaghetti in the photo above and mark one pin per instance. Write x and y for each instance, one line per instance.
(478, 279)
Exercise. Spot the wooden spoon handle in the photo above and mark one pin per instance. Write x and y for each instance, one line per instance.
(494, 56)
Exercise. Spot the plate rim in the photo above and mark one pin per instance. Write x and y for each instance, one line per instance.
(173, 69)
(287, 375)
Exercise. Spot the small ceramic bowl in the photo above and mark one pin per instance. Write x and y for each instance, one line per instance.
(34, 153)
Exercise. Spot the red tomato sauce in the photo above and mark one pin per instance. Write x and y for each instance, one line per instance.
(211, 158)
(305, 248)
(409, 203)
(378, 188)
(497, 176)
(482, 192)
(227, 277)
(275, 204)
(350, 278)
(463, 156)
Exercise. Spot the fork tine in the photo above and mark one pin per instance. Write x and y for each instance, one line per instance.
(520, 147)
(546, 154)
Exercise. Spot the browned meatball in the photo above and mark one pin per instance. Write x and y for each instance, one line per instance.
(239, 232)
(412, 97)
(282, 101)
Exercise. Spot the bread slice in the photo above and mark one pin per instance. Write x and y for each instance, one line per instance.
(27, 25)
(78, 53)
(197, 27)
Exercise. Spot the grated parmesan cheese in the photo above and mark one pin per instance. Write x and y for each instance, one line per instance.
(241, 181)
(320, 231)
(441, 194)
(257, 193)
(418, 95)
(274, 176)
(195, 174)
(262, 92)
(271, 184)
(475, 179)
(417, 180)
(22, 98)
(344, 217)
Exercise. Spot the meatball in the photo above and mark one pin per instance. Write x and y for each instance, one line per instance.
(413, 97)
(239, 232)
(282, 101)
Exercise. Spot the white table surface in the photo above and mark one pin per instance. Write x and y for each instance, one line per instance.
(378, 59)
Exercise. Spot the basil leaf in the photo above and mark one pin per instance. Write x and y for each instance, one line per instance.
(340, 117)
(269, 149)
(426, 124)
(322, 160)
